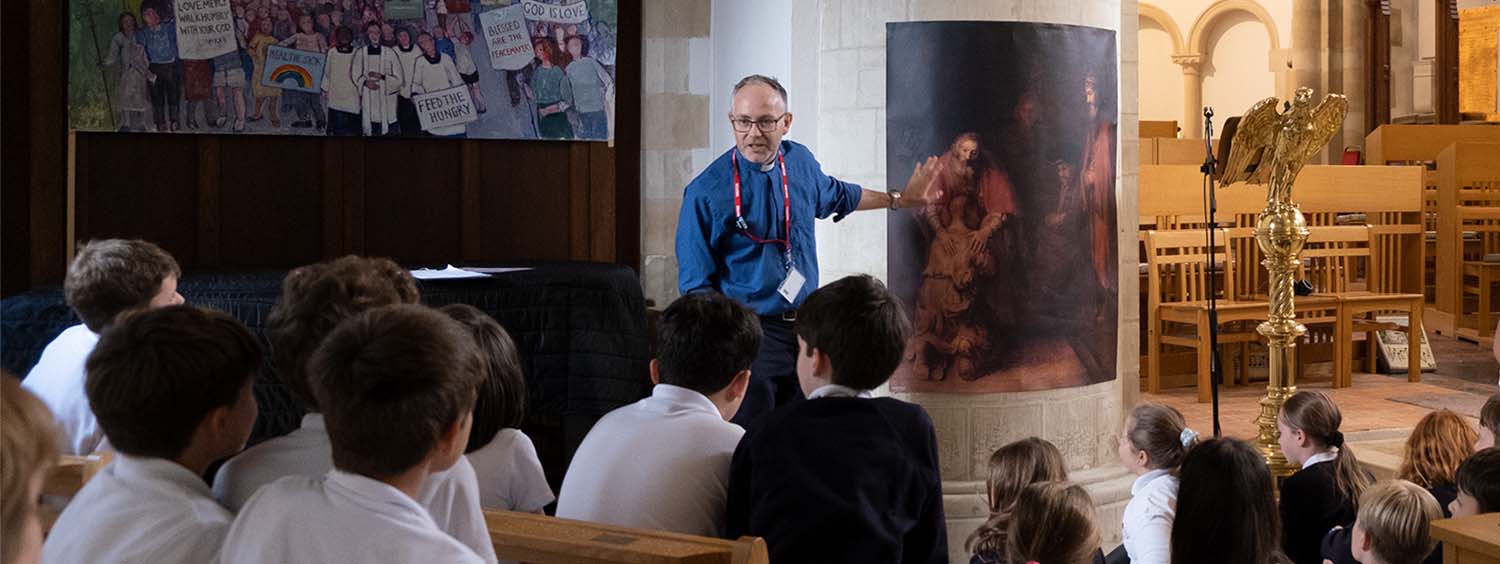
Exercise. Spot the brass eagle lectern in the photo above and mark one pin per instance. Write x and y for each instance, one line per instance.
(1270, 147)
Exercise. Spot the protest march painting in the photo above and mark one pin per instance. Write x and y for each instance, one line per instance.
(489, 69)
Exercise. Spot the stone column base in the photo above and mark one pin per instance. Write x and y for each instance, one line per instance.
(964, 505)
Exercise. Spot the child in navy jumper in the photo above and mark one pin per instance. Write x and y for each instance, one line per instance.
(843, 476)
(1324, 493)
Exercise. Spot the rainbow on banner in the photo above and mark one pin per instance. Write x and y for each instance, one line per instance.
(297, 75)
(291, 69)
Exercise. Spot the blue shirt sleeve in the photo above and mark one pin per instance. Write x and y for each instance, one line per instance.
(695, 261)
(834, 197)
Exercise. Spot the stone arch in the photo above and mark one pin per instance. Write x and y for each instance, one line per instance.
(1211, 16)
(1164, 21)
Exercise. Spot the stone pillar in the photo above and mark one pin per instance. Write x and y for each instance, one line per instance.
(851, 133)
(1192, 95)
(1307, 39)
(1356, 55)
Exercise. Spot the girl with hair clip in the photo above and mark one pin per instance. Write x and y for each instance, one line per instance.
(1225, 510)
(1012, 468)
(1053, 523)
(1153, 442)
(1325, 493)
(1437, 445)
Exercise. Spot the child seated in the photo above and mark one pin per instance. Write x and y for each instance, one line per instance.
(510, 475)
(1478, 485)
(1489, 423)
(1152, 445)
(1012, 468)
(706, 343)
(1053, 524)
(1392, 524)
(315, 299)
(172, 390)
(1226, 507)
(107, 278)
(1323, 493)
(397, 388)
(28, 448)
(843, 476)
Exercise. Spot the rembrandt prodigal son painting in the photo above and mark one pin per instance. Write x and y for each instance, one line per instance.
(1010, 273)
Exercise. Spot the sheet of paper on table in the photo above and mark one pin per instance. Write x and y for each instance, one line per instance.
(449, 273)
(497, 269)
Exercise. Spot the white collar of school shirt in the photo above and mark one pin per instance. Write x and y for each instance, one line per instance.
(138, 469)
(668, 398)
(839, 391)
(1324, 456)
(379, 497)
(1145, 479)
(313, 421)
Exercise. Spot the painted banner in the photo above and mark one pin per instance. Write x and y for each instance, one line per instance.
(567, 13)
(505, 35)
(1010, 272)
(403, 9)
(444, 108)
(205, 28)
(293, 69)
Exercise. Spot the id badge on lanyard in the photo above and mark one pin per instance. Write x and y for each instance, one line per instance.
(792, 284)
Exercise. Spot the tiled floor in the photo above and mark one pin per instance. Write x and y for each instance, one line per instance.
(1463, 368)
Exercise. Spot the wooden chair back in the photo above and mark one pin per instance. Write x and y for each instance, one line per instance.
(1336, 258)
(65, 479)
(1468, 201)
(539, 539)
(1177, 266)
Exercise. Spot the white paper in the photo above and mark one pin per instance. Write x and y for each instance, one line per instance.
(497, 269)
(450, 273)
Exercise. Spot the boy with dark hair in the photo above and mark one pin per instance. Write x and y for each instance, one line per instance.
(1478, 484)
(107, 278)
(705, 345)
(314, 300)
(397, 386)
(843, 476)
(1489, 422)
(172, 390)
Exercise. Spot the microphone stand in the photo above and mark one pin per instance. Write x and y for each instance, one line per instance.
(1211, 206)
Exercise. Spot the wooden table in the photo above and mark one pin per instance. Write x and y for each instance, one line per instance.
(1469, 540)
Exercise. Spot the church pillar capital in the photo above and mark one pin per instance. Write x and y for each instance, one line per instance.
(1188, 61)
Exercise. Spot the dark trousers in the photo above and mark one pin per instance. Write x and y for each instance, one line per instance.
(166, 94)
(342, 123)
(773, 375)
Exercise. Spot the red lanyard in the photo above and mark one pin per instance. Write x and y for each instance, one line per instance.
(786, 204)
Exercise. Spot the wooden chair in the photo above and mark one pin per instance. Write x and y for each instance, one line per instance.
(1178, 294)
(539, 539)
(64, 481)
(1480, 275)
(1468, 208)
(1339, 263)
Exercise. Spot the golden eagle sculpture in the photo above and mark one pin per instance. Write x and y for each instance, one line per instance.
(1271, 146)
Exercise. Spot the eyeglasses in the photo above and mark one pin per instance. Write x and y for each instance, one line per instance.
(766, 125)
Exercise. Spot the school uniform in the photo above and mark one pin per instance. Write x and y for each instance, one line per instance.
(451, 497)
(136, 510)
(58, 378)
(1310, 507)
(841, 477)
(659, 463)
(510, 475)
(338, 517)
(1147, 530)
(1337, 545)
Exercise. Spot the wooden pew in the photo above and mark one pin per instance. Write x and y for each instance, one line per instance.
(1387, 198)
(1154, 129)
(539, 539)
(1181, 151)
(64, 481)
(1468, 202)
(1469, 540)
(1396, 143)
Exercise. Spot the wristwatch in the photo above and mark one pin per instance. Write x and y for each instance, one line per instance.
(895, 200)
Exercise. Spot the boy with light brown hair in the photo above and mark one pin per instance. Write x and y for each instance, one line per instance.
(1392, 527)
(107, 278)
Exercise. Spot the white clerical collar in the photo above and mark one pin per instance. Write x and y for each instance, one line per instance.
(1324, 456)
(839, 391)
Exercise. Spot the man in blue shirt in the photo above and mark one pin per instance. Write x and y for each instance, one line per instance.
(160, 40)
(746, 230)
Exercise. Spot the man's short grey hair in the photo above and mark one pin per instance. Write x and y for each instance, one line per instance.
(762, 79)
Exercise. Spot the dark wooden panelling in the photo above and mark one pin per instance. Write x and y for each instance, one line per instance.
(271, 206)
(412, 198)
(15, 175)
(140, 186)
(627, 149)
(46, 109)
(524, 195)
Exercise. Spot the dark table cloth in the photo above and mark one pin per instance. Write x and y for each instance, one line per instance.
(580, 329)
